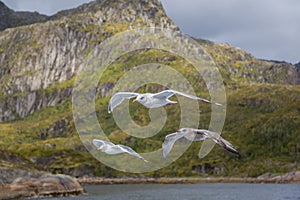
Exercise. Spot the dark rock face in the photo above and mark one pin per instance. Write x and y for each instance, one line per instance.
(298, 71)
(11, 19)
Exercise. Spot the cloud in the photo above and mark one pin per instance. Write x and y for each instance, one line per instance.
(269, 29)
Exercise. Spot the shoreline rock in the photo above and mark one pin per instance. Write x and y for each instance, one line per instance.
(288, 178)
(46, 185)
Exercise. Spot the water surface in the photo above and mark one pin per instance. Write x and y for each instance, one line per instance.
(201, 191)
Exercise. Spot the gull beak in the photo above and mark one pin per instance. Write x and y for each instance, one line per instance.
(134, 101)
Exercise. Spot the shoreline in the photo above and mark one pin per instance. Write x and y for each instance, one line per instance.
(289, 178)
(50, 185)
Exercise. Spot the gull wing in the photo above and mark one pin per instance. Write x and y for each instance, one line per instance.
(98, 143)
(194, 97)
(130, 151)
(169, 142)
(164, 94)
(200, 134)
(220, 141)
(169, 93)
(118, 98)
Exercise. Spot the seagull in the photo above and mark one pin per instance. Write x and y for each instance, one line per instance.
(111, 148)
(150, 100)
(195, 135)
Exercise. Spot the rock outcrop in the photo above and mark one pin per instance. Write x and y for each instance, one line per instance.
(291, 177)
(45, 185)
(7, 176)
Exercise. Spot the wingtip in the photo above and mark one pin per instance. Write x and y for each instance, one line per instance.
(234, 151)
(164, 156)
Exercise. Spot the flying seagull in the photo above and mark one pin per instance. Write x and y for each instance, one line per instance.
(111, 148)
(150, 100)
(195, 135)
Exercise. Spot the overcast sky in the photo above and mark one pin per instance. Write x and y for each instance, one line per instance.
(269, 29)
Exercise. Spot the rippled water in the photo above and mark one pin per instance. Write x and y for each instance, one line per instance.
(205, 191)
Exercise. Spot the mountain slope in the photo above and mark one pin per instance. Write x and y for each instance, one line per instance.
(38, 65)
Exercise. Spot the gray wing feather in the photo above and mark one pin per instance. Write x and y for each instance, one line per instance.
(118, 98)
(164, 94)
(192, 97)
(169, 142)
(129, 150)
(200, 134)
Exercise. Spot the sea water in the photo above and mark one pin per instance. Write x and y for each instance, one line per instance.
(205, 191)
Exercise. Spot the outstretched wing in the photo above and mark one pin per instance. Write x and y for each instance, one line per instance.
(169, 142)
(198, 134)
(98, 143)
(164, 94)
(130, 151)
(169, 93)
(221, 141)
(118, 98)
(194, 97)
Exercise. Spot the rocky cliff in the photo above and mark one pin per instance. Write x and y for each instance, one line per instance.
(38, 64)
(34, 57)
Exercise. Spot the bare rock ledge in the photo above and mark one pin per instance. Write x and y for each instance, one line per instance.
(46, 185)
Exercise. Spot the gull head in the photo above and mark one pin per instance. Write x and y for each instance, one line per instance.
(183, 130)
(142, 98)
(101, 148)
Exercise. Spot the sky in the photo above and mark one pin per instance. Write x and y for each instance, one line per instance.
(268, 29)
